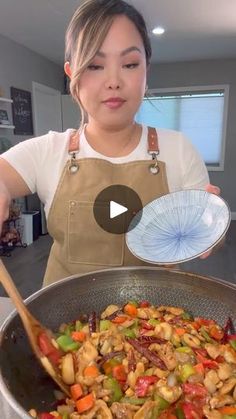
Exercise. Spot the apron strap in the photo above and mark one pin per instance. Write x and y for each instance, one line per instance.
(74, 143)
(153, 147)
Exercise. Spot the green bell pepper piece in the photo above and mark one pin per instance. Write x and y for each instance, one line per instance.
(113, 385)
(229, 416)
(187, 316)
(162, 403)
(179, 413)
(186, 370)
(67, 344)
(104, 325)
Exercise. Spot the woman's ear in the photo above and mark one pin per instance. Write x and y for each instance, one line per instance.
(67, 69)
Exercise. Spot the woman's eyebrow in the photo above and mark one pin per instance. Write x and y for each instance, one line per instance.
(124, 52)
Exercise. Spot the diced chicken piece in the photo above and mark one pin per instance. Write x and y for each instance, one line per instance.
(109, 310)
(210, 381)
(146, 409)
(123, 410)
(228, 386)
(163, 330)
(213, 350)
(221, 400)
(167, 355)
(224, 371)
(170, 394)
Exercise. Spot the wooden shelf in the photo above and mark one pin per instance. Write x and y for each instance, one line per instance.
(7, 126)
(5, 99)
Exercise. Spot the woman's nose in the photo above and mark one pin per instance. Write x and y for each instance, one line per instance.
(113, 81)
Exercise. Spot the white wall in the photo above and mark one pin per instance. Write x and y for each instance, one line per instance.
(19, 66)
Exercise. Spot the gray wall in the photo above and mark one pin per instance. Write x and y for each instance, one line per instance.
(19, 66)
(207, 73)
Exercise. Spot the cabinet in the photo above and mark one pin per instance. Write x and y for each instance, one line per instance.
(4, 102)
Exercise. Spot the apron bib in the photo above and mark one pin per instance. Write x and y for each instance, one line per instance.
(80, 244)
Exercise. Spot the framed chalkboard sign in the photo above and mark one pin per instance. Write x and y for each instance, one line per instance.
(22, 111)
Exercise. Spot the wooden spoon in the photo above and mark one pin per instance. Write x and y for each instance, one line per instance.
(32, 327)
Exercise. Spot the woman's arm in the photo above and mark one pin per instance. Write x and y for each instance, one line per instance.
(11, 186)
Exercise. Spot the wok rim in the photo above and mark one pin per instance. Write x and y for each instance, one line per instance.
(7, 395)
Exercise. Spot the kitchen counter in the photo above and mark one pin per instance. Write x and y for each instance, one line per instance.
(6, 412)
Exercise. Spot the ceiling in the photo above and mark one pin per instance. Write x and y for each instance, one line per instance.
(195, 29)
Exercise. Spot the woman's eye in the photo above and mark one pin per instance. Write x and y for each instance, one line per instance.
(131, 65)
(94, 67)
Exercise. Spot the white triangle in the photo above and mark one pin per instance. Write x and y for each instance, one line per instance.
(116, 209)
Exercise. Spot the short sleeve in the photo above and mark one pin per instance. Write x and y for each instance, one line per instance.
(194, 171)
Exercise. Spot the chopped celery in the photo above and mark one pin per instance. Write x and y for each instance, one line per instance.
(104, 325)
(129, 332)
(113, 385)
(184, 349)
(78, 325)
(205, 334)
(134, 400)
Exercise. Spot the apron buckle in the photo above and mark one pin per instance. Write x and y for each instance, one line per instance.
(73, 167)
(154, 168)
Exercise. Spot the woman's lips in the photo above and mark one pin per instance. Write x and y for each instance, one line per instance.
(114, 103)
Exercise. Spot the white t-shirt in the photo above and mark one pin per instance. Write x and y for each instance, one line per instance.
(40, 161)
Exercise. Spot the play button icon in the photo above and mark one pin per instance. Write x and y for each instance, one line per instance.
(115, 207)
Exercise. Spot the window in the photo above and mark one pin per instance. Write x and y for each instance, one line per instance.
(199, 112)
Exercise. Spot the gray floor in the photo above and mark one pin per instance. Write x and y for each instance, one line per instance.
(27, 265)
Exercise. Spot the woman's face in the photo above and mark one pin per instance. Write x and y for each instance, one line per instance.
(112, 87)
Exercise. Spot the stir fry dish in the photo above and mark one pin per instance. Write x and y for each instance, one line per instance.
(141, 361)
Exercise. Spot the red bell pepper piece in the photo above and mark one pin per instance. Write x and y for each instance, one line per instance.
(191, 411)
(144, 304)
(48, 349)
(46, 416)
(195, 390)
(143, 383)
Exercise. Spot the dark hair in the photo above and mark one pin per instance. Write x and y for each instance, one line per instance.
(91, 22)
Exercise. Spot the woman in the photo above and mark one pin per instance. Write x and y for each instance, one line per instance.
(107, 57)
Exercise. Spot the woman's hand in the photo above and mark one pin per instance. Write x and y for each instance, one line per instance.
(215, 190)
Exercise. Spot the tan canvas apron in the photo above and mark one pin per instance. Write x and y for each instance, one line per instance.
(80, 244)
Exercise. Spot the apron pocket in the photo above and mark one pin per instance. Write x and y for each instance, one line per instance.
(88, 243)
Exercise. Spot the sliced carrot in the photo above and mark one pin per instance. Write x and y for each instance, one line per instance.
(76, 391)
(119, 319)
(131, 310)
(86, 403)
(91, 371)
(227, 410)
(78, 336)
(199, 368)
(216, 332)
(180, 331)
(118, 372)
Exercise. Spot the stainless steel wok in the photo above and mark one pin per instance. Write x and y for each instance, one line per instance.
(23, 382)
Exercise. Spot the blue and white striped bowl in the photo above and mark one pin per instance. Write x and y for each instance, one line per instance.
(178, 227)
